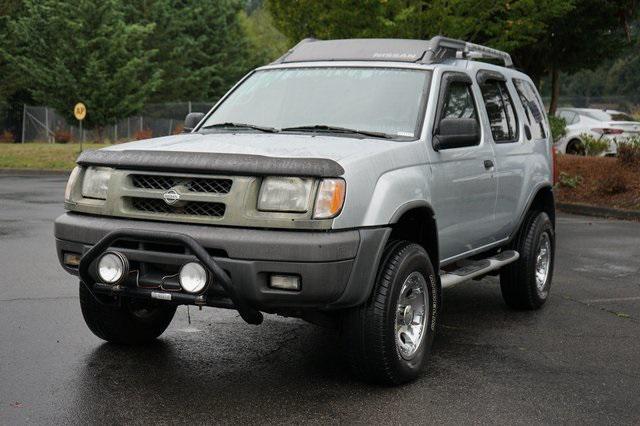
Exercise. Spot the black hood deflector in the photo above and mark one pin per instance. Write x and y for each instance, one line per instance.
(211, 163)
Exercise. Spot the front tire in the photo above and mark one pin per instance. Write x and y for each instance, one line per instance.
(389, 338)
(131, 322)
(526, 283)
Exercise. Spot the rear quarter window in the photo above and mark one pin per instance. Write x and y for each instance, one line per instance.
(533, 109)
(500, 111)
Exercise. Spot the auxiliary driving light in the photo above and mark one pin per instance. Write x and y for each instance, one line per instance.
(112, 267)
(285, 282)
(193, 277)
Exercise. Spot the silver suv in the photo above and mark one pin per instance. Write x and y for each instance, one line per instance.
(347, 184)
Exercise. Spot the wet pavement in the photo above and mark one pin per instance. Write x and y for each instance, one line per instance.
(577, 360)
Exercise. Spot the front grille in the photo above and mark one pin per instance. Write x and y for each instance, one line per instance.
(191, 208)
(206, 185)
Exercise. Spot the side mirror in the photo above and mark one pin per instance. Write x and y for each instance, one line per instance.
(456, 133)
(191, 121)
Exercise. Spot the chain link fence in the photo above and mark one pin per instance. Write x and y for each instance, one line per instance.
(44, 124)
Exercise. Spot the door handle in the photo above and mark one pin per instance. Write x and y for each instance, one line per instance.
(488, 164)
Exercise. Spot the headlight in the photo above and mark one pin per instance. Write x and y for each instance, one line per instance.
(71, 183)
(96, 182)
(330, 198)
(285, 194)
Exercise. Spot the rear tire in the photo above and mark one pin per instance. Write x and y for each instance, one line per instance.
(575, 147)
(526, 283)
(388, 339)
(131, 322)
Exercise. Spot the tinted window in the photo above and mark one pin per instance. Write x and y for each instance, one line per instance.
(458, 102)
(500, 111)
(534, 113)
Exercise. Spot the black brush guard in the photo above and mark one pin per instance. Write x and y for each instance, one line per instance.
(249, 314)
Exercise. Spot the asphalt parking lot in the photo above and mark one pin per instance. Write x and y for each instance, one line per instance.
(576, 361)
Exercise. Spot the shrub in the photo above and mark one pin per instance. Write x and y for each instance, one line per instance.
(143, 134)
(568, 181)
(629, 152)
(558, 127)
(593, 147)
(62, 136)
(613, 183)
(7, 137)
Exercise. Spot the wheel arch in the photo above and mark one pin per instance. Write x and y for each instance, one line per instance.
(417, 215)
(573, 139)
(542, 200)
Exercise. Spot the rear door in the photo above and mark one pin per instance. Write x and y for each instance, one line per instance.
(464, 190)
(511, 145)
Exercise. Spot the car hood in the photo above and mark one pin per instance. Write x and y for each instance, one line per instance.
(337, 148)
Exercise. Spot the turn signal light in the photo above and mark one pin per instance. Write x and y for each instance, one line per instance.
(330, 198)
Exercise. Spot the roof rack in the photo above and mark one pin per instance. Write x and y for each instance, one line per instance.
(467, 50)
(431, 51)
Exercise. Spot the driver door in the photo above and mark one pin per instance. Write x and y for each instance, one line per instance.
(465, 185)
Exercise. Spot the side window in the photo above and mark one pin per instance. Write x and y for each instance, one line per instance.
(574, 119)
(500, 110)
(458, 102)
(533, 110)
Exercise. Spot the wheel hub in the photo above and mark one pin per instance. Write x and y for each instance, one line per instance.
(411, 314)
(408, 315)
(543, 262)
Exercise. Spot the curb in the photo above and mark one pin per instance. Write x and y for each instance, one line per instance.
(589, 210)
(21, 172)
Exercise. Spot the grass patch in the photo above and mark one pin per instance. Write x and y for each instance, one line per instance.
(42, 156)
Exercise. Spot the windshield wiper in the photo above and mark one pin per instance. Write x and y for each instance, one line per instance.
(334, 129)
(230, 125)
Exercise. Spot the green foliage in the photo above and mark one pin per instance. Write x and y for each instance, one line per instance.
(593, 147)
(84, 51)
(201, 47)
(558, 127)
(579, 38)
(506, 25)
(569, 181)
(266, 43)
(620, 78)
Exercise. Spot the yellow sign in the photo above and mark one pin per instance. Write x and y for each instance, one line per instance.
(80, 111)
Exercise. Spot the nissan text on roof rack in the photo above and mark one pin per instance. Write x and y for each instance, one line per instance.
(347, 183)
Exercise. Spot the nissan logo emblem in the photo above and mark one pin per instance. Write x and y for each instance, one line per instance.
(171, 197)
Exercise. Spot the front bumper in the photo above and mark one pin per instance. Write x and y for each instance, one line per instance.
(337, 268)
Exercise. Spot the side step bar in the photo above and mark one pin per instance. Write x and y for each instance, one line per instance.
(477, 268)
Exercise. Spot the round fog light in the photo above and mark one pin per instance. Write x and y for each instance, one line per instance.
(112, 267)
(193, 277)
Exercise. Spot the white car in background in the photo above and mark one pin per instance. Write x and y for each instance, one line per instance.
(613, 126)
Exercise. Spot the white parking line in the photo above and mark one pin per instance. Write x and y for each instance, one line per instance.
(613, 299)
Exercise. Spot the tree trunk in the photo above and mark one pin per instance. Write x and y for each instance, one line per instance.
(555, 89)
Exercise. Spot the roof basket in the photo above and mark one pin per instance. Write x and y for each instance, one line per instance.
(431, 51)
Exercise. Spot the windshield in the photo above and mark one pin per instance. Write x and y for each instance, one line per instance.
(375, 100)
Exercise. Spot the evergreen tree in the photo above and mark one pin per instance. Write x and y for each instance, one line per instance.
(84, 52)
(202, 49)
